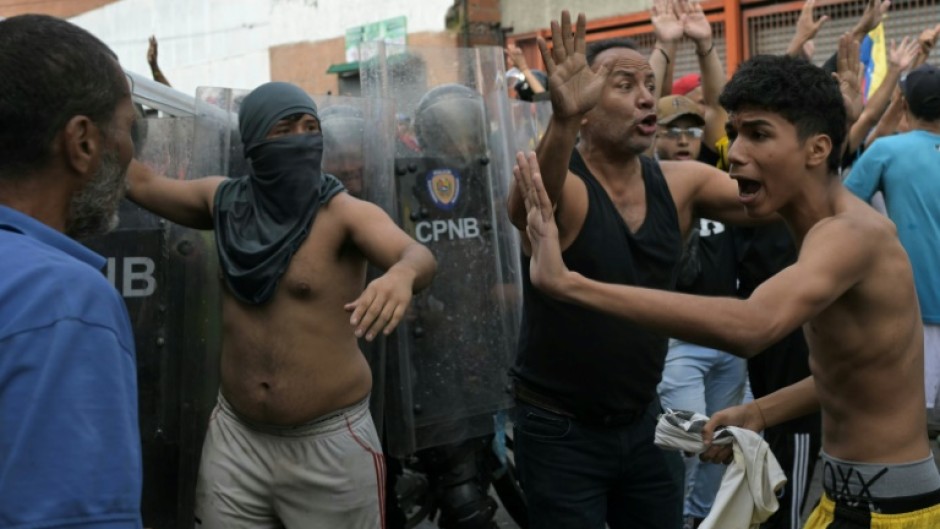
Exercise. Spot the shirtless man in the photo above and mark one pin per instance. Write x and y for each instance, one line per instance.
(585, 383)
(851, 288)
(291, 442)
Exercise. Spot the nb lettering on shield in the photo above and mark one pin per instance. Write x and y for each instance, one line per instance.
(444, 188)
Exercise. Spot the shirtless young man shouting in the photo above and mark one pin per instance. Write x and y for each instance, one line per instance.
(851, 289)
(291, 442)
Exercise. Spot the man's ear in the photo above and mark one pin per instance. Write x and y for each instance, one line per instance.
(818, 148)
(82, 144)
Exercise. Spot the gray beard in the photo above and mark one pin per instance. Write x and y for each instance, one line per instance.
(94, 209)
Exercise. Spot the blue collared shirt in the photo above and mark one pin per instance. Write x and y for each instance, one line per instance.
(69, 435)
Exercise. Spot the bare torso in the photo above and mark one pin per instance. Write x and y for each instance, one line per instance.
(866, 348)
(866, 355)
(296, 358)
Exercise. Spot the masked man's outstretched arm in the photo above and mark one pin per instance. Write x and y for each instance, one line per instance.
(185, 202)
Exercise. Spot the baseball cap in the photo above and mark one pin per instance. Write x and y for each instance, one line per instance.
(686, 84)
(671, 108)
(921, 89)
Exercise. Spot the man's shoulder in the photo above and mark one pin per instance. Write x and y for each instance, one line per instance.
(56, 284)
(25, 255)
(343, 214)
(887, 146)
(347, 208)
(858, 222)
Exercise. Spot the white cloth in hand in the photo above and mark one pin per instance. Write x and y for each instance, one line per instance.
(748, 490)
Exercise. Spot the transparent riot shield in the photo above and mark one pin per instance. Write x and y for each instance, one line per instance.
(216, 131)
(165, 274)
(529, 123)
(448, 367)
(358, 148)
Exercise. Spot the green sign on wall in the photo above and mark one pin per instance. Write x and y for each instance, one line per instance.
(391, 31)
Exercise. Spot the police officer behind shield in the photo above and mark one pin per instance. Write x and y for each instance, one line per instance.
(291, 441)
(444, 199)
(343, 145)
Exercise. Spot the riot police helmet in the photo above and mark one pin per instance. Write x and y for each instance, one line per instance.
(343, 129)
(449, 123)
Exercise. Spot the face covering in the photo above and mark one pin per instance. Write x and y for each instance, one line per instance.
(261, 219)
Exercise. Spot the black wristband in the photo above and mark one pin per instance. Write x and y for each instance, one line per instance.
(707, 51)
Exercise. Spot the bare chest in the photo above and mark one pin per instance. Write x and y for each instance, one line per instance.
(325, 265)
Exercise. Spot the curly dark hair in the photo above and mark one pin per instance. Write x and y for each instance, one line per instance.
(596, 48)
(804, 94)
(50, 71)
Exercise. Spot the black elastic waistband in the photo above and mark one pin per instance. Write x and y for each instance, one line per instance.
(901, 505)
(539, 400)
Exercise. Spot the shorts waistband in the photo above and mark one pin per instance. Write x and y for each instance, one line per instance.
(886, 488)
(328, 423)
(890, 506)
(534, 398)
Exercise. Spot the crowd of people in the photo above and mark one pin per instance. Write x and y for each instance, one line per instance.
(698, 244)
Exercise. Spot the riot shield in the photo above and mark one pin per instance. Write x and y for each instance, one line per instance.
(529, 123)
(165, 274)
(448, 366)
(358, 147)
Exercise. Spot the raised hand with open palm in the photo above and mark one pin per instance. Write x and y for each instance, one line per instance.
(574, 85)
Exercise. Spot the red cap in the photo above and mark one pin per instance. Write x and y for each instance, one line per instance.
(686, 84)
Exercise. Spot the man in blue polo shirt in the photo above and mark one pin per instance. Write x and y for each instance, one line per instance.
(69, 438)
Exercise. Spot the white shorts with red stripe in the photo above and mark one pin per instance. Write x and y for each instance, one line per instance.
(329, 472)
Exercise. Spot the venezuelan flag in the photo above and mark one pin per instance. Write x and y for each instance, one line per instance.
(874, 56)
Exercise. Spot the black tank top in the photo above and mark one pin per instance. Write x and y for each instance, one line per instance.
(591, 363)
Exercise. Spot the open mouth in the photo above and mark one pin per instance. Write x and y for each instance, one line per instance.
(683, 155)
(747, 188)
(647, 125)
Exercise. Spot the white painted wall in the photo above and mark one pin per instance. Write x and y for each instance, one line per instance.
(300, 20)
(225, 42)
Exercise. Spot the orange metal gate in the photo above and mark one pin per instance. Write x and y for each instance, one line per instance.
(751, 27)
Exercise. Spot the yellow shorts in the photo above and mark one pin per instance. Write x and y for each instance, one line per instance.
(824, 514)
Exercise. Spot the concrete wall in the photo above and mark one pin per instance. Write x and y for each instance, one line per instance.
(243, 43)
(524, 16)
(202, 43)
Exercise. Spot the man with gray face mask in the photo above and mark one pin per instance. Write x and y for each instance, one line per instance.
(291, 442)
(70, 449)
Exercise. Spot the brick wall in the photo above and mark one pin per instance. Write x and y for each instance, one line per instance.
(483, 23)
(305, 63)
(58, 8)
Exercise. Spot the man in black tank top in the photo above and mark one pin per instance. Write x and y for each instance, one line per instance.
(585, 382)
